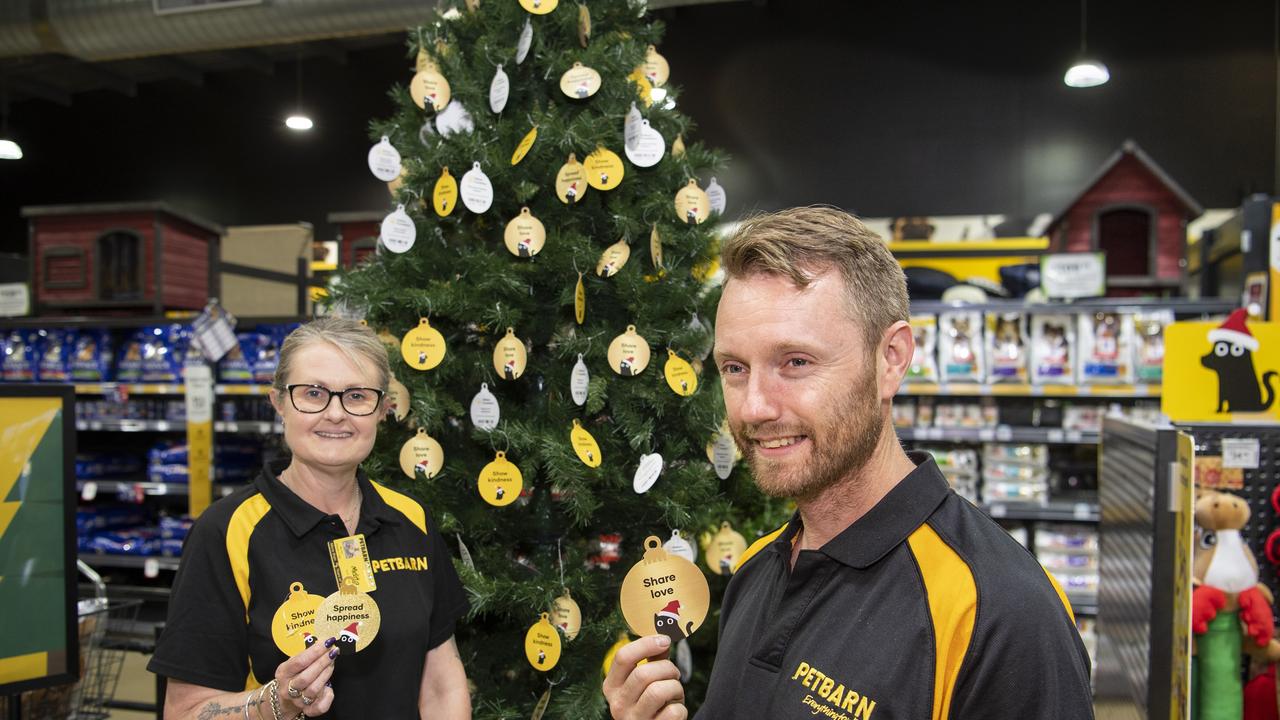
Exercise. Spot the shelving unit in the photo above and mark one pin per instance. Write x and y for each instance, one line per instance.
(1004, 434)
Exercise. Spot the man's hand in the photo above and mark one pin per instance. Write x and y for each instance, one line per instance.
(651, 691)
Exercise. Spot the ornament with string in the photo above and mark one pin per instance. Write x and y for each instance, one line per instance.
(398, 231)
(384, 160)
(444, 197)
(664, 594)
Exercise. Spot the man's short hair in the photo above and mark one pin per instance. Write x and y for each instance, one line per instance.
(804, 242)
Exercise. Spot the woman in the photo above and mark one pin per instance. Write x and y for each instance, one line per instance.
(250, 550)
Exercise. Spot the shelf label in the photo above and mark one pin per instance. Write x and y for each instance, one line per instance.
(1240, 453)
(998, 510)
(986, 435)
(1054, 436)
(1074, 436)
(89, 491)
(1074, 275)
(151, 568)
(1004, 434)
(1082, 511)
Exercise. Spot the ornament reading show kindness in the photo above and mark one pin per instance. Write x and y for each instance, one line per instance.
(664, 594)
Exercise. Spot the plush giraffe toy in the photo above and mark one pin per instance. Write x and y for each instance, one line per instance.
(1230, 610)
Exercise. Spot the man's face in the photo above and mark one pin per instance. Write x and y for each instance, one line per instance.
(801, 389)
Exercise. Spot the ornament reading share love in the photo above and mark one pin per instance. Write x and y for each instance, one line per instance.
(423, 347)
(580, 81)
(397, 399)
(293, 626)
(525, 235)
(584, 445)
(629, 353)
(692, 204)
(542, 645)
(429, 87)
(485, 412)
(500, 481)
(571, 183)
(384, 160)
(398, 231)
(421, 454)
(567, 615)
(664, 594)
(477, 190)
(445, 195)
(681, 378)
(656, 67)
(509, 357)
(725, 549)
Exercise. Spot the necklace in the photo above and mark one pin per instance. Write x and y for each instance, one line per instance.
(353, 511)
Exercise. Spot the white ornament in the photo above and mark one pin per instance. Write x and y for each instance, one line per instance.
(476, 190)
(647, 473)
(722, 455)
(578, 382)
(499, 90)
(526, 39)
(716, 195)
(631, 127)
(425, 133)
(684, 660)
(465, 554)
(677, 545)
(484, 409)
(384, 161)
(649, 148)
(454, 119)
(398, 231)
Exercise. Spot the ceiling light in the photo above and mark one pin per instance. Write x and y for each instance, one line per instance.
(1086, 73)
(298, 122)
(10, 150)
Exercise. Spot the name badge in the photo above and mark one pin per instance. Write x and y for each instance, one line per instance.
(350, 557)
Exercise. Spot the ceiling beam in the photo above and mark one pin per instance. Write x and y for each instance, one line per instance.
(178, 69)
(40, 90)
(255, 60)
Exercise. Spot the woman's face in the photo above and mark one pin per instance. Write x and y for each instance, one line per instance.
(333, 439)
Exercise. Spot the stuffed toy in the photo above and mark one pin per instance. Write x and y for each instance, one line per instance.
(1230, 610)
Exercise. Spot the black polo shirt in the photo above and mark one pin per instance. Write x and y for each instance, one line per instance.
(248, 548)
(924, 609)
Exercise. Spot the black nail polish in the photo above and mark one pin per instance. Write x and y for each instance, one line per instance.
(329, 642)
(333, 653)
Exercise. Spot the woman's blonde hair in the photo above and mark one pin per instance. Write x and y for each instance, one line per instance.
(353, 339)
(802, 243)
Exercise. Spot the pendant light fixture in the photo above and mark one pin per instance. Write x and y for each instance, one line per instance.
(299, 121)
(9, 148)
(1086, 72)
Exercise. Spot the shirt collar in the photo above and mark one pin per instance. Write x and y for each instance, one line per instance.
(887, 525)
(301, 517)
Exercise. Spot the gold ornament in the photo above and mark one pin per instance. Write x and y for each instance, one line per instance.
(350, 616)
(394, 186)
(664, 594)
(525, 234)
(430, 87)
(724, 550)
(567, 615)
(571, 183)
(629, 353)
(580, 301)
(680, 376)
(445, 195)
(623, 639)
(541, 708)
(522, 149)
(421, 453)
(692, 204)
(542, 645)
(580, 82)
(293, 626)
(644, 88)
(604, 169)
(500, 481)
(656, 68)
(677, 147)
(423, 347)
(584, 25)
(655, 248)
(509, 358)
(539, 7)
(584, 445)
(424, 62)
(397, 399)
(613, 258)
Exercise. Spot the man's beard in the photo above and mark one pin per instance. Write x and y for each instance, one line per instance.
(851, 432)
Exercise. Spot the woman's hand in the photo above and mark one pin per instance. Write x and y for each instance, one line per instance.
(302, 681)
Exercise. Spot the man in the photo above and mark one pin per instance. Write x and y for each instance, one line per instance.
(886, 595)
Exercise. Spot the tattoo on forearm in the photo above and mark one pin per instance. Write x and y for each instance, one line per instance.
(215, 709)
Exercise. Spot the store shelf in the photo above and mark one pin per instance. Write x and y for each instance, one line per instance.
(1180, 307)
(89, 489)
(129, 388)
(1025, 390)
(1000, 434)
(1053, 511)
(1083, 605)
(132, 425)
(139, 562)
(241, 389)
(249, 427)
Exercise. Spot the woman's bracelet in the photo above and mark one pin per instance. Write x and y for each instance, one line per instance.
(257, 704)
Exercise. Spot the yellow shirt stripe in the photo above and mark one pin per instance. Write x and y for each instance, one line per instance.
(405, 504)
(759, 545)
(241, 526)
(953, 604)
(1061, 595)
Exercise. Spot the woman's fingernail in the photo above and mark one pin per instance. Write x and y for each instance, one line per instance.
(333, 653)
(663, 640)
(330, 642)
(328, 684)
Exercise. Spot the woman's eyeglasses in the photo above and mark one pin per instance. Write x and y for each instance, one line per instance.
(316, 398)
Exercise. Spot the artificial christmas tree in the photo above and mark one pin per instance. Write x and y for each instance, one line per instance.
(548, 312)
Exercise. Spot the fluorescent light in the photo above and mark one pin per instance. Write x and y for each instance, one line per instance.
(298, 122)
(10, 150)
(1086, 73)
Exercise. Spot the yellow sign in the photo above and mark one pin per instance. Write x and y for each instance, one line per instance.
(1222, 372)
(1180, 502)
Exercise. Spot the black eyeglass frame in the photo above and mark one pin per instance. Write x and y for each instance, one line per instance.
(340, 395)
